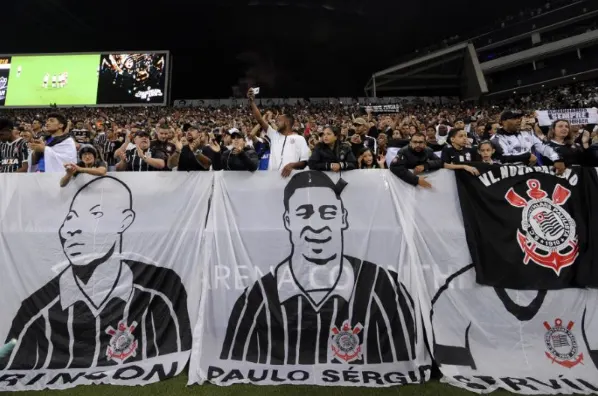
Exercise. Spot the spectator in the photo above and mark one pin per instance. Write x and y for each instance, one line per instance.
(240, 158)
(141, 158)
(331, 154)
(486, 151)
(456, 155)
(194, 148)
(89, 163)
(517, 145)
(417, 157)
(360, 139)
(161, 143)
(13, 149)
(288, 151)
(366, 160)
(58, 147)
(561, 138)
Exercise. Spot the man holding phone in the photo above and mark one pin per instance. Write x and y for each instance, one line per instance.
(288, 151)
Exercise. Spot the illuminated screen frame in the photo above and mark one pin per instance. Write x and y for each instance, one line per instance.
(167, 78)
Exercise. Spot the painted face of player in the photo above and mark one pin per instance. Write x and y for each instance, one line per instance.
(93, 226)
(316, 220)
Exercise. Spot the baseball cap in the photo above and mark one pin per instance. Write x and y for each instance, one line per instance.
(235, 131)
(359, 121)
(142, 133)
(510, 115)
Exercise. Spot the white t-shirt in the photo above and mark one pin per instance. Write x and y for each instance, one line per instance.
(286, 149)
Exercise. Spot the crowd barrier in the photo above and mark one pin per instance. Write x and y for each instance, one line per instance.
(124, 279)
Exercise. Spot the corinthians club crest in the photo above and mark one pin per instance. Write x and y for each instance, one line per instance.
(548, 236)
(345, 342)
(122, 344)
(561, 344)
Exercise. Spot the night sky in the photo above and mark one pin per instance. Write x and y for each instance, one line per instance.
(288, 47)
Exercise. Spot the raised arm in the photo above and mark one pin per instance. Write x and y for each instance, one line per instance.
(255, 111)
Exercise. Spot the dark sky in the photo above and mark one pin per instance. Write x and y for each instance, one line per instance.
(288, 47)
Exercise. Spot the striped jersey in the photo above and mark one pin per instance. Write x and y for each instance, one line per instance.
(136, 164)
(12, 155)
(143, 315)
(272, 325)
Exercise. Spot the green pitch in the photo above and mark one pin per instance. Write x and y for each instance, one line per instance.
(27, 89)
(177, 387)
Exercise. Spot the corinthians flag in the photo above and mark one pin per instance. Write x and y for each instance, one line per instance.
(525, 226)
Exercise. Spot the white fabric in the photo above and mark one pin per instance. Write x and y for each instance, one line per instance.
(286, 149)
(163, 227)
(574, 116)
(227, 255)
(508, 353)
(243, 246)
(56, 156)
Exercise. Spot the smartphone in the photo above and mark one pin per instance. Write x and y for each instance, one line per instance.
(256, 91)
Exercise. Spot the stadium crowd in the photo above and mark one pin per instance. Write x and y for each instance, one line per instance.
(412, 141)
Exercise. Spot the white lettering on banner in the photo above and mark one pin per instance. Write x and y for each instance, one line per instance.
(97, 320)
(490, 178)
(150, 93)
(574, 116)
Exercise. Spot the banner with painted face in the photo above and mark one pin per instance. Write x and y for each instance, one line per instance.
(308, 283)
(100, 278)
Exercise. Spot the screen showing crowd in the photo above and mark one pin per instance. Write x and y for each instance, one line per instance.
(85, 79)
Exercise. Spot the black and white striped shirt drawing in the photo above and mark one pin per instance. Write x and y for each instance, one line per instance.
(320, 306)
(106, 307)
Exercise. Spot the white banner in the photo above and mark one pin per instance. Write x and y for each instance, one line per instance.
(484, 338)
(308, 284)
(389, 108)
(574, 116)
(100, 279)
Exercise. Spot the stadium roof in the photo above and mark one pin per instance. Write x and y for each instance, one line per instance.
(290, 47)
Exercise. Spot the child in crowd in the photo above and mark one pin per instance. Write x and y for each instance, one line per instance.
(456, 154)
(486, 151)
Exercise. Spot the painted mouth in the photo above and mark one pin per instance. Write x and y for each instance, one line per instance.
(311, 240)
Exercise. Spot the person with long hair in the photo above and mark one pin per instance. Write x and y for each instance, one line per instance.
(330, 154)
(562, 140)
(366, 160)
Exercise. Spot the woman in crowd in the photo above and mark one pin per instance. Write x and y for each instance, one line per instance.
(89, 162)
(330, 154)
(366, 160)
(561, 138)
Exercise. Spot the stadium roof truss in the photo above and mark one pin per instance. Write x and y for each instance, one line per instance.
(452, 68)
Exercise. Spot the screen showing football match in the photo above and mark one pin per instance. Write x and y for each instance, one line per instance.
(85, 79)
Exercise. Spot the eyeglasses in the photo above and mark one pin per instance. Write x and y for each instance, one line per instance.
(418, 142)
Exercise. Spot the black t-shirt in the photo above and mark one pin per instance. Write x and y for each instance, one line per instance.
(81, 135)
(137, 164)
(450, 155)
(166, 147)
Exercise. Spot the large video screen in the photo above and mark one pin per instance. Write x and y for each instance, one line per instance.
(83, 80)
